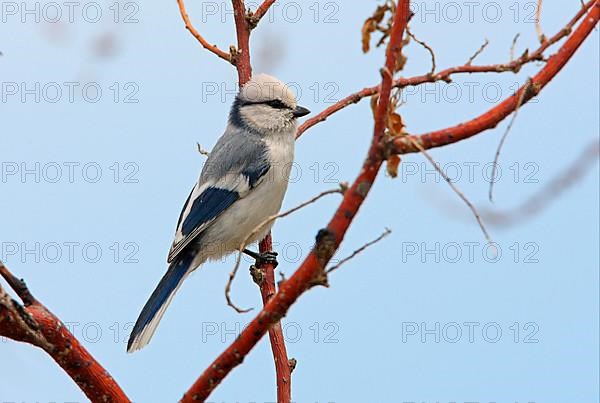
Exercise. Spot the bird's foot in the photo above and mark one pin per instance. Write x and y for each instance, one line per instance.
(268, 257)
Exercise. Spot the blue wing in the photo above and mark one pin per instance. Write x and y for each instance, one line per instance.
(228, 175)
(198, 212)
(207, 207)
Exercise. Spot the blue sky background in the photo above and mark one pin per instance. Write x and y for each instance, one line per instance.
(372, 335)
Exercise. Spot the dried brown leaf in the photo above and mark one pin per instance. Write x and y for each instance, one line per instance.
(400, 62)
(395, 125)
(373, 24)
(393, 162)
(374, 100)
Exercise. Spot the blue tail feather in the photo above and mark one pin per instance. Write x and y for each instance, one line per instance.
(159, 300)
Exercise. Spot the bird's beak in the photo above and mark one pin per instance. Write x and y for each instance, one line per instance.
(300, 111)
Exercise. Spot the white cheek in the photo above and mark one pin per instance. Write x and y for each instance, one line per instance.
(266, 118)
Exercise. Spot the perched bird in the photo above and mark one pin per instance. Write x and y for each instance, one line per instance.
(242, 183)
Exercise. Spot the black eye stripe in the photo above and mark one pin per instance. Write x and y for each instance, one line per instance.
(277, 104)
(274, 103)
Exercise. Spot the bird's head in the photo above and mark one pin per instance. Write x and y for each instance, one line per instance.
(267, 106)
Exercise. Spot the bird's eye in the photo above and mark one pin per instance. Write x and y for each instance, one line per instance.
(277, 104)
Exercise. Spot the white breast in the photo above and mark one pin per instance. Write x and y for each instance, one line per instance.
(262, 202)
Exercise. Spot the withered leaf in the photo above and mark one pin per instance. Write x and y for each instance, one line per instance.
(372, 24)
(393, 162)
(374, 100)
(395, 125)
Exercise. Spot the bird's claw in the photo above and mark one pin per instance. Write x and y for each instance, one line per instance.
(268, 257)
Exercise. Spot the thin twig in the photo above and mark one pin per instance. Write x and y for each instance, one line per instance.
(257, 230)
(513, 46)
(551, 191)
(426, 46)
(188, 24)
(503, 139)
(454, 188)
(17, 285)
(538, 26)
(202, 151)
(478, 52)
(255, 17)
(359, 250)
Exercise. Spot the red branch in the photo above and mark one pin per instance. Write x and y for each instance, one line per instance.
(513, 66)
(188, 24)
(244, 24)
(260, 13)
(311, 272)
(491, 118)
(283, 369)
(242, 28)
(33, 323)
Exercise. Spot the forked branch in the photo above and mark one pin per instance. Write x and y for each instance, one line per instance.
(33, 323)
